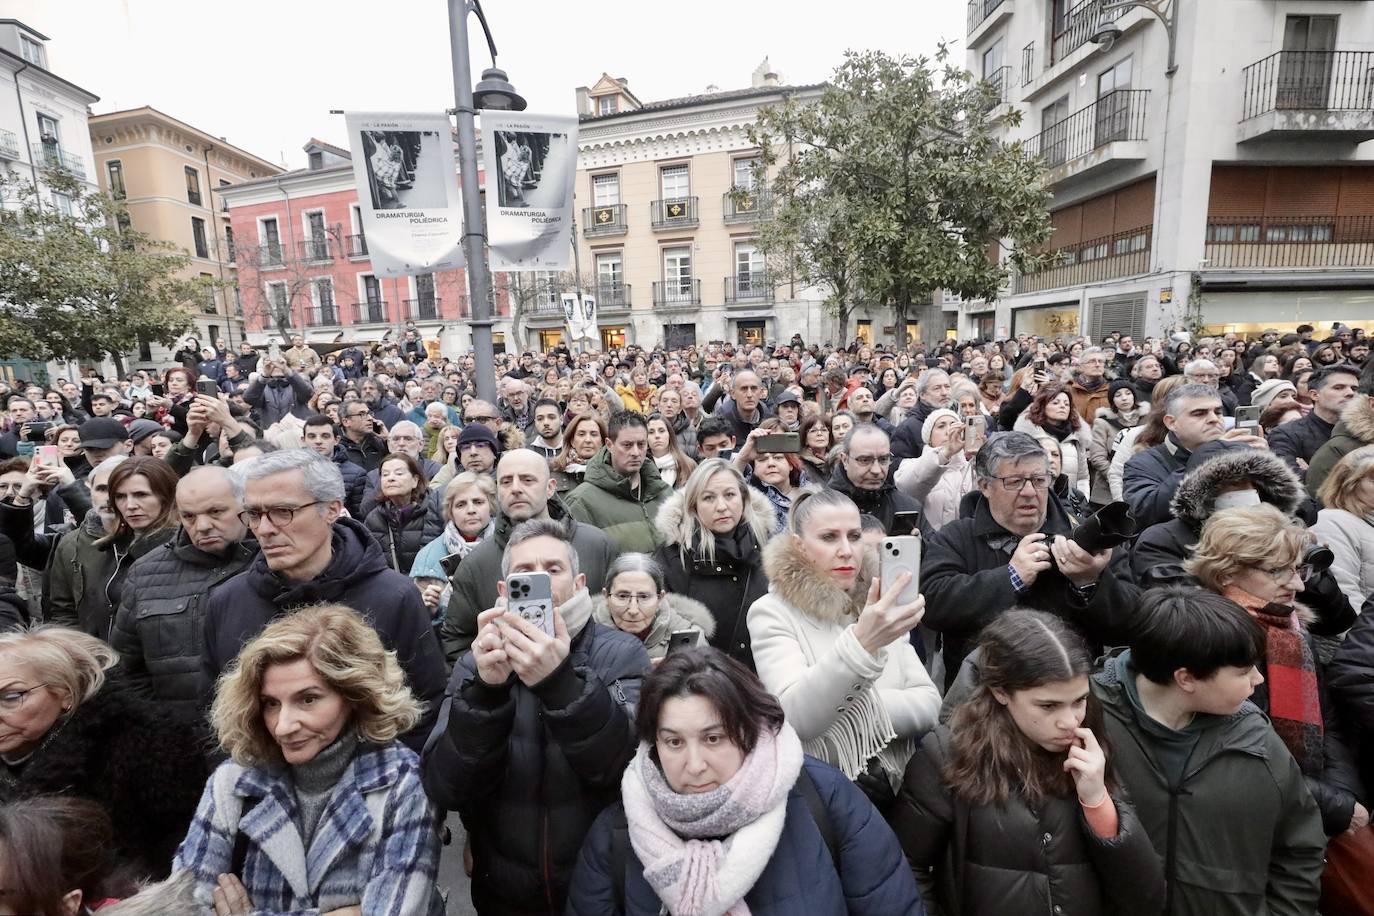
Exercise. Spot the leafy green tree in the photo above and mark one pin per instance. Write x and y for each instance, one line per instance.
(80, 285)
(894, 183)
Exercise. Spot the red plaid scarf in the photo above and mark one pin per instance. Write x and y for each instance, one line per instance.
(1291, 671)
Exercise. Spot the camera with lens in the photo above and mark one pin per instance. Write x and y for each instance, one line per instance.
(1318, 556)
(1109, 527)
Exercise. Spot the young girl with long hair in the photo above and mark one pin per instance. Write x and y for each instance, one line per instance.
(1012, 807)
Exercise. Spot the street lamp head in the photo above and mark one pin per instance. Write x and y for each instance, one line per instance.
(1106, 34)
(495, 93)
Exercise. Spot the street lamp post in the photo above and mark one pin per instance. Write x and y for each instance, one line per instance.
(493, 92)
(1166, 11)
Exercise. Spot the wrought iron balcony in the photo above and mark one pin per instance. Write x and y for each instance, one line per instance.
(372, 311)
(1000, 81)
(422, 309)
(1290, 241)
(679, 212)
(9, 145)
(52, 156)
(1307, 93)
(1077, 27)
(743, 206)
(231, 253)
(677, 294)
(1124, 254)
(317, 249)
(273, 255)
(1115, 117)
(610, 296)
(748, 287)
(979, 10)
(607, 220)
(323, 316)
(357, 245)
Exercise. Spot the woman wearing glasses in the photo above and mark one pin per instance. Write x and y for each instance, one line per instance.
(69, 725)
(1255, 557)
(635, 601)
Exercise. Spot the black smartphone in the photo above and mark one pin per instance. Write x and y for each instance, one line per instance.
(906, 522)
(684, 639)
(787, 443)
(207, 387)
(450, 564)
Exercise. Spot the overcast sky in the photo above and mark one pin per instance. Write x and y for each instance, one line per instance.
(265, 73)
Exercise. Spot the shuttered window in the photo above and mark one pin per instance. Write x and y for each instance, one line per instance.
(1122, 313)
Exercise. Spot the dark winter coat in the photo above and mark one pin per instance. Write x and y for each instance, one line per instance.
(273, 403)
(729, 412)
(906, 439)
(966, 585)
(1241, 834)
(870, 879)
(530, 769)
(144, 768)
(1350, 682)
(357, 575)
(1299, 440)
(158, 629)
(400, 544)
(354, 480)
(605, 499)
(474, 585)
(1355, 429)
(1150, 479)
(883, 503)
(730, 583)
(34, 548)
(1013, 858)
(82, 577)
(368, 454)
(429, 466)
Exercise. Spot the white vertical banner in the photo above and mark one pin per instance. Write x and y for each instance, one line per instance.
(590, 331)
(408, 193)
(572, 315)
(530, 160)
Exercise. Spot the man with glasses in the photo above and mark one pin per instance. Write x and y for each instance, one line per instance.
(483, 412)
(360, 441)
(1014, 552)
(293, 502)
(864, 475)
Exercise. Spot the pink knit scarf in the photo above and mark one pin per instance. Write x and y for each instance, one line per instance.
(702, 853)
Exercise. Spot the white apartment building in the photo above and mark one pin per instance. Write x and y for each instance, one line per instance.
(1232, 190)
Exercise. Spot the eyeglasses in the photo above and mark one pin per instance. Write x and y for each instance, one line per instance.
(357, 413)
(12, 700)
(280, 516)
(1038, 481)
(623, 599)
(867, 461)
(482, 419)
(1282, 574)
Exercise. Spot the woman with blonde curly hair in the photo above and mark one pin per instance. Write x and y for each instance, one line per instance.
(309, 714)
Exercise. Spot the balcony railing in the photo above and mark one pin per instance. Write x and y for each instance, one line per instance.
(978, 10)
(673, 214)
(317, 249)
(231, 253)
(1077, 26)
(750, 287)
(1118, 115)
(1290, 241)
(357, 245)
(607, 220)
(273, 255)
(372, 311)
(743, 206)
(545, 306)
(9, 144)
(613, 295)
(1121, 255)
(322, 316)
(1000, 81)
(50, 156)
(425, 308)
(1027, 64)
(677, 293)
(1309, 81)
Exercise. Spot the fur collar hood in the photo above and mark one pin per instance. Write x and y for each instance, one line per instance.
(791, 578)
(673, 611)
(1358, 418)
(758, 513)
(1195, 499)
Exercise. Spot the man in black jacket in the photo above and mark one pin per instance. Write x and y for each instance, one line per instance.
(163, 603)
(320, 438)
(936, 391)
(1015, 552)
(360, 442)
(292, 502)
(1298, 440)
(535, 732)
(863, 474)
(745, 409)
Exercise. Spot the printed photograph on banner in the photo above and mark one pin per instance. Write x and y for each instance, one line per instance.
(532, 160)
(410, 205)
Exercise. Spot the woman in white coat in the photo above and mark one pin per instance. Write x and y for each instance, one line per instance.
(836, 652)
(1346, 525)
(942, 474)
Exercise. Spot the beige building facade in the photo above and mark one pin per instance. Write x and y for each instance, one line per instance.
(169, 174)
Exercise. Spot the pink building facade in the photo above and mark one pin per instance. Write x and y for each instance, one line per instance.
(303, 266)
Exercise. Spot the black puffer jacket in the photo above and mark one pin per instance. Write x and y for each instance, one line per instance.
(1150, 479)
(354, 480)
(357, 575)
(530, 769)
(401, 542)
(146, 769)
(158, 627)
(1012, 858)
(883, 503)
(83, 577)
(1350, 681)
(1299, 440)
(730, 583)
(906, 438)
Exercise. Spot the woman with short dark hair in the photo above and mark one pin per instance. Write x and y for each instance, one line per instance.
(405, 518)
(724, 813)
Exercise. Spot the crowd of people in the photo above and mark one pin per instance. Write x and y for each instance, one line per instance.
(257, 641)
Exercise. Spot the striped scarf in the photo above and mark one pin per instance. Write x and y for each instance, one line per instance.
(1291, 671)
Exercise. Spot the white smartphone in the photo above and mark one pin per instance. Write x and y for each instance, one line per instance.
(531, 596)
(975, 432)
(45, 456)
(1248, 417)
(896, 556)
